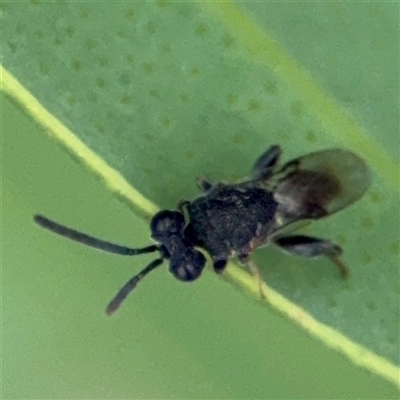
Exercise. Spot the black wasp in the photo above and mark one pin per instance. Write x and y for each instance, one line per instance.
(229, 220)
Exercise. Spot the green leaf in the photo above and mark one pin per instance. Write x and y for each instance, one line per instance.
(158, 93)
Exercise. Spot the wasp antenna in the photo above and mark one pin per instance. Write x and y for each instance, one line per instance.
(90, 240)
(123, 293)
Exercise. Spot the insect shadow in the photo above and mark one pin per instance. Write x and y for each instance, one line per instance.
(233, 219)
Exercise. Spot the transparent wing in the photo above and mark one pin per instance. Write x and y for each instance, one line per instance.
(319, 184)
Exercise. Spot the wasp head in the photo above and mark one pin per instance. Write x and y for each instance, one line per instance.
(185, 263)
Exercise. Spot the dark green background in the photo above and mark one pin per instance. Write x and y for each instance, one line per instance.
(170, 340)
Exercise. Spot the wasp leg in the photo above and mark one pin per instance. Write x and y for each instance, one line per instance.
(265, 165)
(182, 204)
(203, 183)
(245, 259)
(220, 265)
(305, 246)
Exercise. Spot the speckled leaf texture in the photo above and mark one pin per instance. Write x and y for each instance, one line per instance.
(165, 92)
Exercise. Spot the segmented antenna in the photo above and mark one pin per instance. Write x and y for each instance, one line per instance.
(99, 244)
(90, 240)
(129, 286)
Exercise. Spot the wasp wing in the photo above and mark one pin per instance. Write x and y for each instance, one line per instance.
(319, 184)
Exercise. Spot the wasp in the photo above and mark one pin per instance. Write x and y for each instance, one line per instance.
(233, 219)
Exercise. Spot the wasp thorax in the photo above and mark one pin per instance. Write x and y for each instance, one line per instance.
(165, 224)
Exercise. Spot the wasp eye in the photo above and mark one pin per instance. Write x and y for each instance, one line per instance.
(166, 223)
(188, 267)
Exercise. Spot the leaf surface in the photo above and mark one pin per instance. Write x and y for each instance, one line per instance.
(164, 92)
